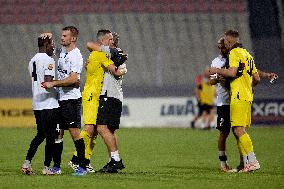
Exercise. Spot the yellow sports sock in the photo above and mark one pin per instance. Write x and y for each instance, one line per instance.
(246, 143)
(89, 144)
(241, 149)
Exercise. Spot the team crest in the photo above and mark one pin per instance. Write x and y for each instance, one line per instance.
(50, 66)
(66, 60)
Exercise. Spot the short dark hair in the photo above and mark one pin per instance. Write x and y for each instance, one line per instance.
(221, 41)
(233, 33)
(74, 31)
(41, 42)
(115, 38)
(102, 32)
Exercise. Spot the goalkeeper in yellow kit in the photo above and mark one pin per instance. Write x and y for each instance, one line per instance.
(99, 62)
(244, 76)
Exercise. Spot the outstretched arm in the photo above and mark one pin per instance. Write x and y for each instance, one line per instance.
(255, 79)
(93, 46)
(116, 72)
(230, 72)
(267, 75)
(71, 81)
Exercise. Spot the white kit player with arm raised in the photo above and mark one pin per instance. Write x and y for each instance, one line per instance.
(70, 65)
(44, 102)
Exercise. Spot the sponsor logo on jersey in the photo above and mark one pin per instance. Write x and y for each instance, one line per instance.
(50, 66)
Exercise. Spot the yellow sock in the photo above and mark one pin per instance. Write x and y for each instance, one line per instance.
(241, 149)
(246, 143)
(89, 148)
(88, 145)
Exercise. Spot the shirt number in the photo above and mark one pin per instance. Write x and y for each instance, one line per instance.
(34, 71)
(250, 64)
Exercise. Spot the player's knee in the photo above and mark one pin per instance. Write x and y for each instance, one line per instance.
(75, 133)
(238, 131)
(89, 129)
(224, 134)
(103, 130)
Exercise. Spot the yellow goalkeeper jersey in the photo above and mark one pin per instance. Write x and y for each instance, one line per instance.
(241, 87)
(98, 63)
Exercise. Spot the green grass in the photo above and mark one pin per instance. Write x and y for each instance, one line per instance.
(154, 158)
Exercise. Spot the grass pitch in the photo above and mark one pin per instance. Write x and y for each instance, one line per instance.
(154, 158)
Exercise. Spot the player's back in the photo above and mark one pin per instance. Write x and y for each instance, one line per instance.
(241, 87)
(39, 66)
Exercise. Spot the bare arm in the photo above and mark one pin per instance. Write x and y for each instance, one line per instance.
(213, 81)
(70, 81)
(255, 79)
(116, 72)
(93, 46)
(48, 78)
(267, 75)
(197, 92)
(230, 72)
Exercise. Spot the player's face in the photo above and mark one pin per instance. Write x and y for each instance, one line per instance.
(107, 40)
(222, 48)
(66, 38)
(50, 48)
(229, 42)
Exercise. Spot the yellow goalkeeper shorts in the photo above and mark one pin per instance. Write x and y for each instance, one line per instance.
(240, 113)
(90, 107)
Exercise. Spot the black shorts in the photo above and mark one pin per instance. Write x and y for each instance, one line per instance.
(46, 121)
(109, 112)
(204, 108)
(70, 113)
(223, 118)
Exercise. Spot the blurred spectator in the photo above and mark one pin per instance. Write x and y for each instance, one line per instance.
(205, 95)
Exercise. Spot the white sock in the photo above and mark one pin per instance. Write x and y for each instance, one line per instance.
(251, 157)
(222, 153)
(115, 155)
(28, 162)
(223, 163)
(245, 159)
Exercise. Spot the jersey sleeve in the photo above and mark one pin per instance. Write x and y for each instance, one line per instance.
(49, 67)
(233, 58)
(105, 59)
(214, 63)
(106, 49)
(254, 69)
(76, 64)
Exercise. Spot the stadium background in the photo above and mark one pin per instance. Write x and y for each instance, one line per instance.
(168, 42)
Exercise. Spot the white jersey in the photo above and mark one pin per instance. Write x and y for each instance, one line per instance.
(39, 66)
(112, 87)
(223, 95)
(67, 63)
